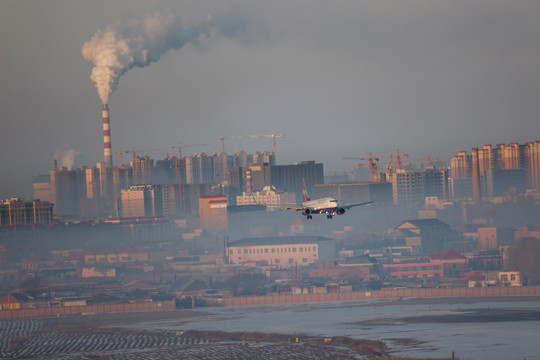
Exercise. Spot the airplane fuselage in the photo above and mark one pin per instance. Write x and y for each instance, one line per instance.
(322, 205)
(328, 206)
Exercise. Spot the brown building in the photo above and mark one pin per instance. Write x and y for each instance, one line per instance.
(490, 238)
(213, 213)
(453, 263)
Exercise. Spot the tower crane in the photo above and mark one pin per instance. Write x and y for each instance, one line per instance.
(180, 146)
(120, 153)
(273, 136)
(374, 160)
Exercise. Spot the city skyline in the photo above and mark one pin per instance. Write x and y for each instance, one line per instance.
(430, 78)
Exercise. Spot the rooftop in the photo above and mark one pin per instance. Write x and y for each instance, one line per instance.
(280, 240)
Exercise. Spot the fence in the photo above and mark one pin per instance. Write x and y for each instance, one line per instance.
(384, 294)
(82, 309)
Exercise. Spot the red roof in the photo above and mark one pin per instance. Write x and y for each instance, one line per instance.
(217, 201)
(8, 299)
(472, 275)
(213, 196)
(448, 254)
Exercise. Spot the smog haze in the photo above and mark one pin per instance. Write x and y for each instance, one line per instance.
(429, 77)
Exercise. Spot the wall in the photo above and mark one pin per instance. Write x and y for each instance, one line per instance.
(98, 308)
(383, 294)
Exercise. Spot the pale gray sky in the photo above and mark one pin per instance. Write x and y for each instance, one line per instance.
(337, 78)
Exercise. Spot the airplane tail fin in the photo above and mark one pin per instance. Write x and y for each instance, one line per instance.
(304, 192)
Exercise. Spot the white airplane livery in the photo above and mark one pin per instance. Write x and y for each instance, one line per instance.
(327, 205)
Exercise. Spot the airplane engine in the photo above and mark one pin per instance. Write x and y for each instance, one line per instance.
(307, 211)
(340, 211)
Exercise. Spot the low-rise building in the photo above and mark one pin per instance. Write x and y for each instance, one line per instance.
(282, 252)
(453, 262)
(115, 256)
(413, 270)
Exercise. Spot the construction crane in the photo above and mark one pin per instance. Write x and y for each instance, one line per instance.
(180, 146)
(272, 136)
(373, 160)
(427, 161)
(120, 155)
(119, 152)
(372, 164)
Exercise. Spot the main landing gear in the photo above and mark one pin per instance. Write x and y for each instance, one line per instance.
(309, 217)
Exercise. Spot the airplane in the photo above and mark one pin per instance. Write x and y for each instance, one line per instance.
(327, 205)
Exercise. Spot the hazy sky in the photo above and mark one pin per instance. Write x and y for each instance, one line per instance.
(337, 78)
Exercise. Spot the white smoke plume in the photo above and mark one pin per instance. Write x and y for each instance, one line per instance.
(67, 158)
(127, 44)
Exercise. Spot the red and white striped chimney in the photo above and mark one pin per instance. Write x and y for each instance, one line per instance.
(107, 137)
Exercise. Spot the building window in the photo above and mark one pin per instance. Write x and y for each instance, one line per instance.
(301, 249)
(239, 251)
(273, 250)
(276, 261)
(266, 251)
(291, 261)
(304, 260)
(245, 251)
(294, 249)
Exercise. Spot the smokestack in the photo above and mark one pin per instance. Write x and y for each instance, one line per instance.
(475, 177)
(107, 137)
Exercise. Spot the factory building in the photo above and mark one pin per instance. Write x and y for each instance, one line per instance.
(282, 252)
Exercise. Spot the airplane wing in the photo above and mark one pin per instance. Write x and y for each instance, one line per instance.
(292, 207)
(347, 207)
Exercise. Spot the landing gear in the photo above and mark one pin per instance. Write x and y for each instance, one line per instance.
(309, 217)
(328, 216)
